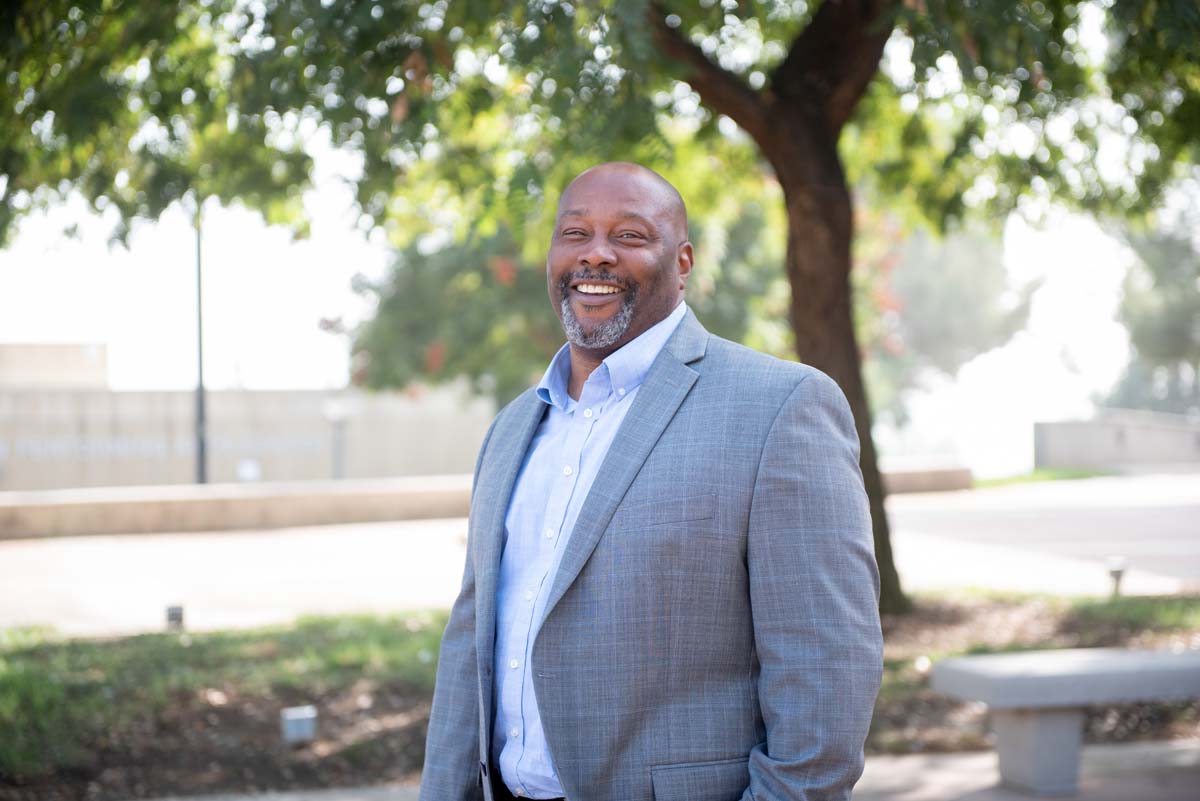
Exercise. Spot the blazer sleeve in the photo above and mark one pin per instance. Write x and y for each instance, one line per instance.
(452, 769)
(814, 592)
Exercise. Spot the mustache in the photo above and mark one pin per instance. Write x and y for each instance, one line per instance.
(583, 276)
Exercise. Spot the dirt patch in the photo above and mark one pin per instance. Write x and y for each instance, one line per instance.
(217, 741)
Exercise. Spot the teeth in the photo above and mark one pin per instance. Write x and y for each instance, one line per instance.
(597, 289)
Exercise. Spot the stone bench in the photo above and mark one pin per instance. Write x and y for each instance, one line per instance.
(1037, 701)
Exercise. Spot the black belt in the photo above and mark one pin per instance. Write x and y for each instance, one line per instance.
(502, 792)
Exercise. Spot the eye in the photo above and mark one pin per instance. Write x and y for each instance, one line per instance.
(629, 235)
(574, 232)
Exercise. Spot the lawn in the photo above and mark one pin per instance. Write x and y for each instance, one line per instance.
(167, 714)
(1039, 474)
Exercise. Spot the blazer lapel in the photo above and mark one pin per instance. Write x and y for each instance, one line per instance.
(663, 390)
(510, 440)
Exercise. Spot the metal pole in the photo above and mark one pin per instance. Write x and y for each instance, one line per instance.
(201, 421)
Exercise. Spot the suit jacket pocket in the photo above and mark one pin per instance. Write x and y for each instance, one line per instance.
(723, 780)
(666, 511)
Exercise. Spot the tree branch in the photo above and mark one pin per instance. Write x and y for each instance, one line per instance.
(719, 89)
(834, 59)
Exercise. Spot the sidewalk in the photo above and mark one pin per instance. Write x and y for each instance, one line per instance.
(1138, 772)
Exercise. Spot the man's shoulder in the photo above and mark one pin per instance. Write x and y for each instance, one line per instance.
(730, 361)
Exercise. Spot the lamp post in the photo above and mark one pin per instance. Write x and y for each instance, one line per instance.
(336, 411)
(201, 419)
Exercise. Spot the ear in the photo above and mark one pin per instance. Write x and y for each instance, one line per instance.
(684, 259)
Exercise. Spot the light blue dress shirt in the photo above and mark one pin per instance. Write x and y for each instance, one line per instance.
(560, 465)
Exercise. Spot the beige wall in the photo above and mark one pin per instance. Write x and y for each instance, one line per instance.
(52, 439)
(44, 366)
(1118, 439)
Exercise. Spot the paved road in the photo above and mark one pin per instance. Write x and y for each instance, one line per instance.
(1152, 522)
(1051, 537)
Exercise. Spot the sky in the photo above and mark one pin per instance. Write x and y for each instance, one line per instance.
(1072, 349)
(265, 295)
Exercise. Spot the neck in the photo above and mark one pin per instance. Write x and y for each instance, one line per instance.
(583, 362)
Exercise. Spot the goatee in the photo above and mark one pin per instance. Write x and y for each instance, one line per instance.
(607, 333)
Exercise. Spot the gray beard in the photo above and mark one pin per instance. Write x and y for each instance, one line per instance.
(604, 335)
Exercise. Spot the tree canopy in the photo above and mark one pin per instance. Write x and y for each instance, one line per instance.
(472, 105)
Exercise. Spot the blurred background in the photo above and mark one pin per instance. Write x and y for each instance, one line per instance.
(268, 268)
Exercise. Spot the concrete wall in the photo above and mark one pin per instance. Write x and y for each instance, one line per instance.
(53, 365)
(52, 439)
(223, 507)
(1117, 439)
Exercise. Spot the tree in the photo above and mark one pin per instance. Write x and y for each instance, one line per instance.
(1160, 306)
(463, 112)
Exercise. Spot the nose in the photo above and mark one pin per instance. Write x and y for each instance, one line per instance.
(597, 253)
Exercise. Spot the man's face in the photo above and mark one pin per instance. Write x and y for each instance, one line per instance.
(618, 258)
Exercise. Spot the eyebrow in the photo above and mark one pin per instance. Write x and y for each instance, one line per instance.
(625, 215)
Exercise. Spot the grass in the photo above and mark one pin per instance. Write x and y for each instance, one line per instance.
(59, 696)
(1040, 474)
(1180, 613)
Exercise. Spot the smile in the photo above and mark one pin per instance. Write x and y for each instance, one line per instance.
(597, 289)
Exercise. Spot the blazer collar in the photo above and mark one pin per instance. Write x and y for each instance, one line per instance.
(689, 341)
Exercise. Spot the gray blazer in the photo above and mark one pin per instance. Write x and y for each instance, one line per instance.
(712, 632)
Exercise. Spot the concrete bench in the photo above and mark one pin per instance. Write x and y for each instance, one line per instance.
(1037, 701)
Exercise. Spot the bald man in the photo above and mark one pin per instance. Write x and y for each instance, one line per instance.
(670, 591)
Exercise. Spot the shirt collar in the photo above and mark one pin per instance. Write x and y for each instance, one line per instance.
(627, 366)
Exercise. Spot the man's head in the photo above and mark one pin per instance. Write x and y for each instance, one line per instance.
(619, 256)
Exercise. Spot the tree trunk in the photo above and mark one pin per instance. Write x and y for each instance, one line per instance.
(796, 123)
(820, 232)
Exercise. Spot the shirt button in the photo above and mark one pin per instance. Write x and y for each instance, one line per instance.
(587, 412)
(549, 533)
(513, 664)
(567, 470)
(520, 793)
(528, 595)
(514, 731)
(621, 391)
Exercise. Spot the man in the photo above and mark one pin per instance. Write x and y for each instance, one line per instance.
(670, 591)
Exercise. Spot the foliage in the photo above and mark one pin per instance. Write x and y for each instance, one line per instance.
(1160, 306)
(464, 112)
(130, 105)
(58, 698)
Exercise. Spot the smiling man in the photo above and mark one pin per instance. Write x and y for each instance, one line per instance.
(670, 591)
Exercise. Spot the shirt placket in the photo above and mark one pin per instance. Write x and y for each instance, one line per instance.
(583, 416)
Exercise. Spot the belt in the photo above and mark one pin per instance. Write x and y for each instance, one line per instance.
(502, 793)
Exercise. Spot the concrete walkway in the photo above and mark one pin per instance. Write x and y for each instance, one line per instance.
(1136, 772)
(1053, 538)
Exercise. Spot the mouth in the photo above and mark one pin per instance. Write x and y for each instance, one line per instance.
(596, 289)
(595, 293)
